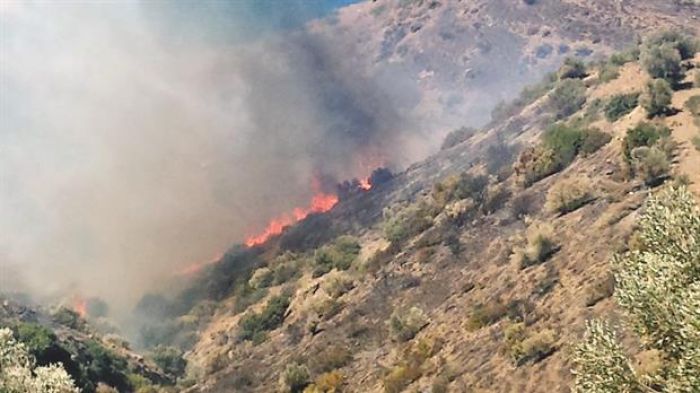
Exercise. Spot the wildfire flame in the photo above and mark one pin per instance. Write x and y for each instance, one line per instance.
(79, 305)
(365, 184)
(321, 202)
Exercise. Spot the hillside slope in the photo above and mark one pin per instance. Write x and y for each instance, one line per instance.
(467, 55)
(438, 273)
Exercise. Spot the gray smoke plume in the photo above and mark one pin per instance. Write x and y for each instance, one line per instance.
(136, 139)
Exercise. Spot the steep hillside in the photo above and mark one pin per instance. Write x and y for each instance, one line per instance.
(467, 55)
(473, 270)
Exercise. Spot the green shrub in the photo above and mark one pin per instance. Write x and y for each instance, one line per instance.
(651, 163)
(620, 105)
(458, 187)
(485, 315)
(294, 378)
(67, 317)
(684, 43)
(457, 136)
(624, 57)
(340, 255)
(170, 360)
(663, 51)
(657, 288)
(662, 62)
(569, 195)
(408, 222)
(337, 283)
(565, 141)
(538, 246)
(657, 97)
(254, 325)
(568, 97)
(593, 140)
(404, 324)
(644, 134)
(572, 69)
(535, 163)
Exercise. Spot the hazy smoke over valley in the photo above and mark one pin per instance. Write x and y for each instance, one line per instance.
(139, 138)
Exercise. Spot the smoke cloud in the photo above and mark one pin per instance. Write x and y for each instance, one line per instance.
(137, 138)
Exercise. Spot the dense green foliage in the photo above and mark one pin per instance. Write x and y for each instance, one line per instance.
(169, 359)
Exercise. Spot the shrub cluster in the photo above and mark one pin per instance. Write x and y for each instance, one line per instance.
(572, 69)
(408, 221)
(559, 145)
(340, 255)
(539, 245)
(620, 105)
(662, 52)
(647, 149)
(568, 97)
(404, 324)
(657, 97)
(523, 347)
(569, 195)
(486, 314)
(254, 326)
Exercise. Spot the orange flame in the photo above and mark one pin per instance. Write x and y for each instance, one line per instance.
(80, 306)
(321, 202)
(365, 184)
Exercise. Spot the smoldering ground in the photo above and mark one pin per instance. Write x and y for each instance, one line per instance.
(134, 142)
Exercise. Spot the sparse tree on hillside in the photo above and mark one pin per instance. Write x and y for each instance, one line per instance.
(658, 287)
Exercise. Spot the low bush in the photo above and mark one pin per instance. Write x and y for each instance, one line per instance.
(657, 97)
(644, 134)
(486, 314)
(408, 222)
(170, 360)
(523, 347)
(255, 325)
(568, 97)
(662, 61)
(294, 378)
(462, 186)
(404, 324)
(330, 382)
(620, 105)
(569, 195)
(572, 69)
(261, 278)
(539, 245)
(340, 255)
(651, 163)
(337, 283)
(535, 163)
(560, 144)
(523, 204)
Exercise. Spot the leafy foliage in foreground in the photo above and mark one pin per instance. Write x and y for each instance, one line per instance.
(658, 287)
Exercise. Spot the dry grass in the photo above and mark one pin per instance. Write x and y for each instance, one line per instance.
(569, 195)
